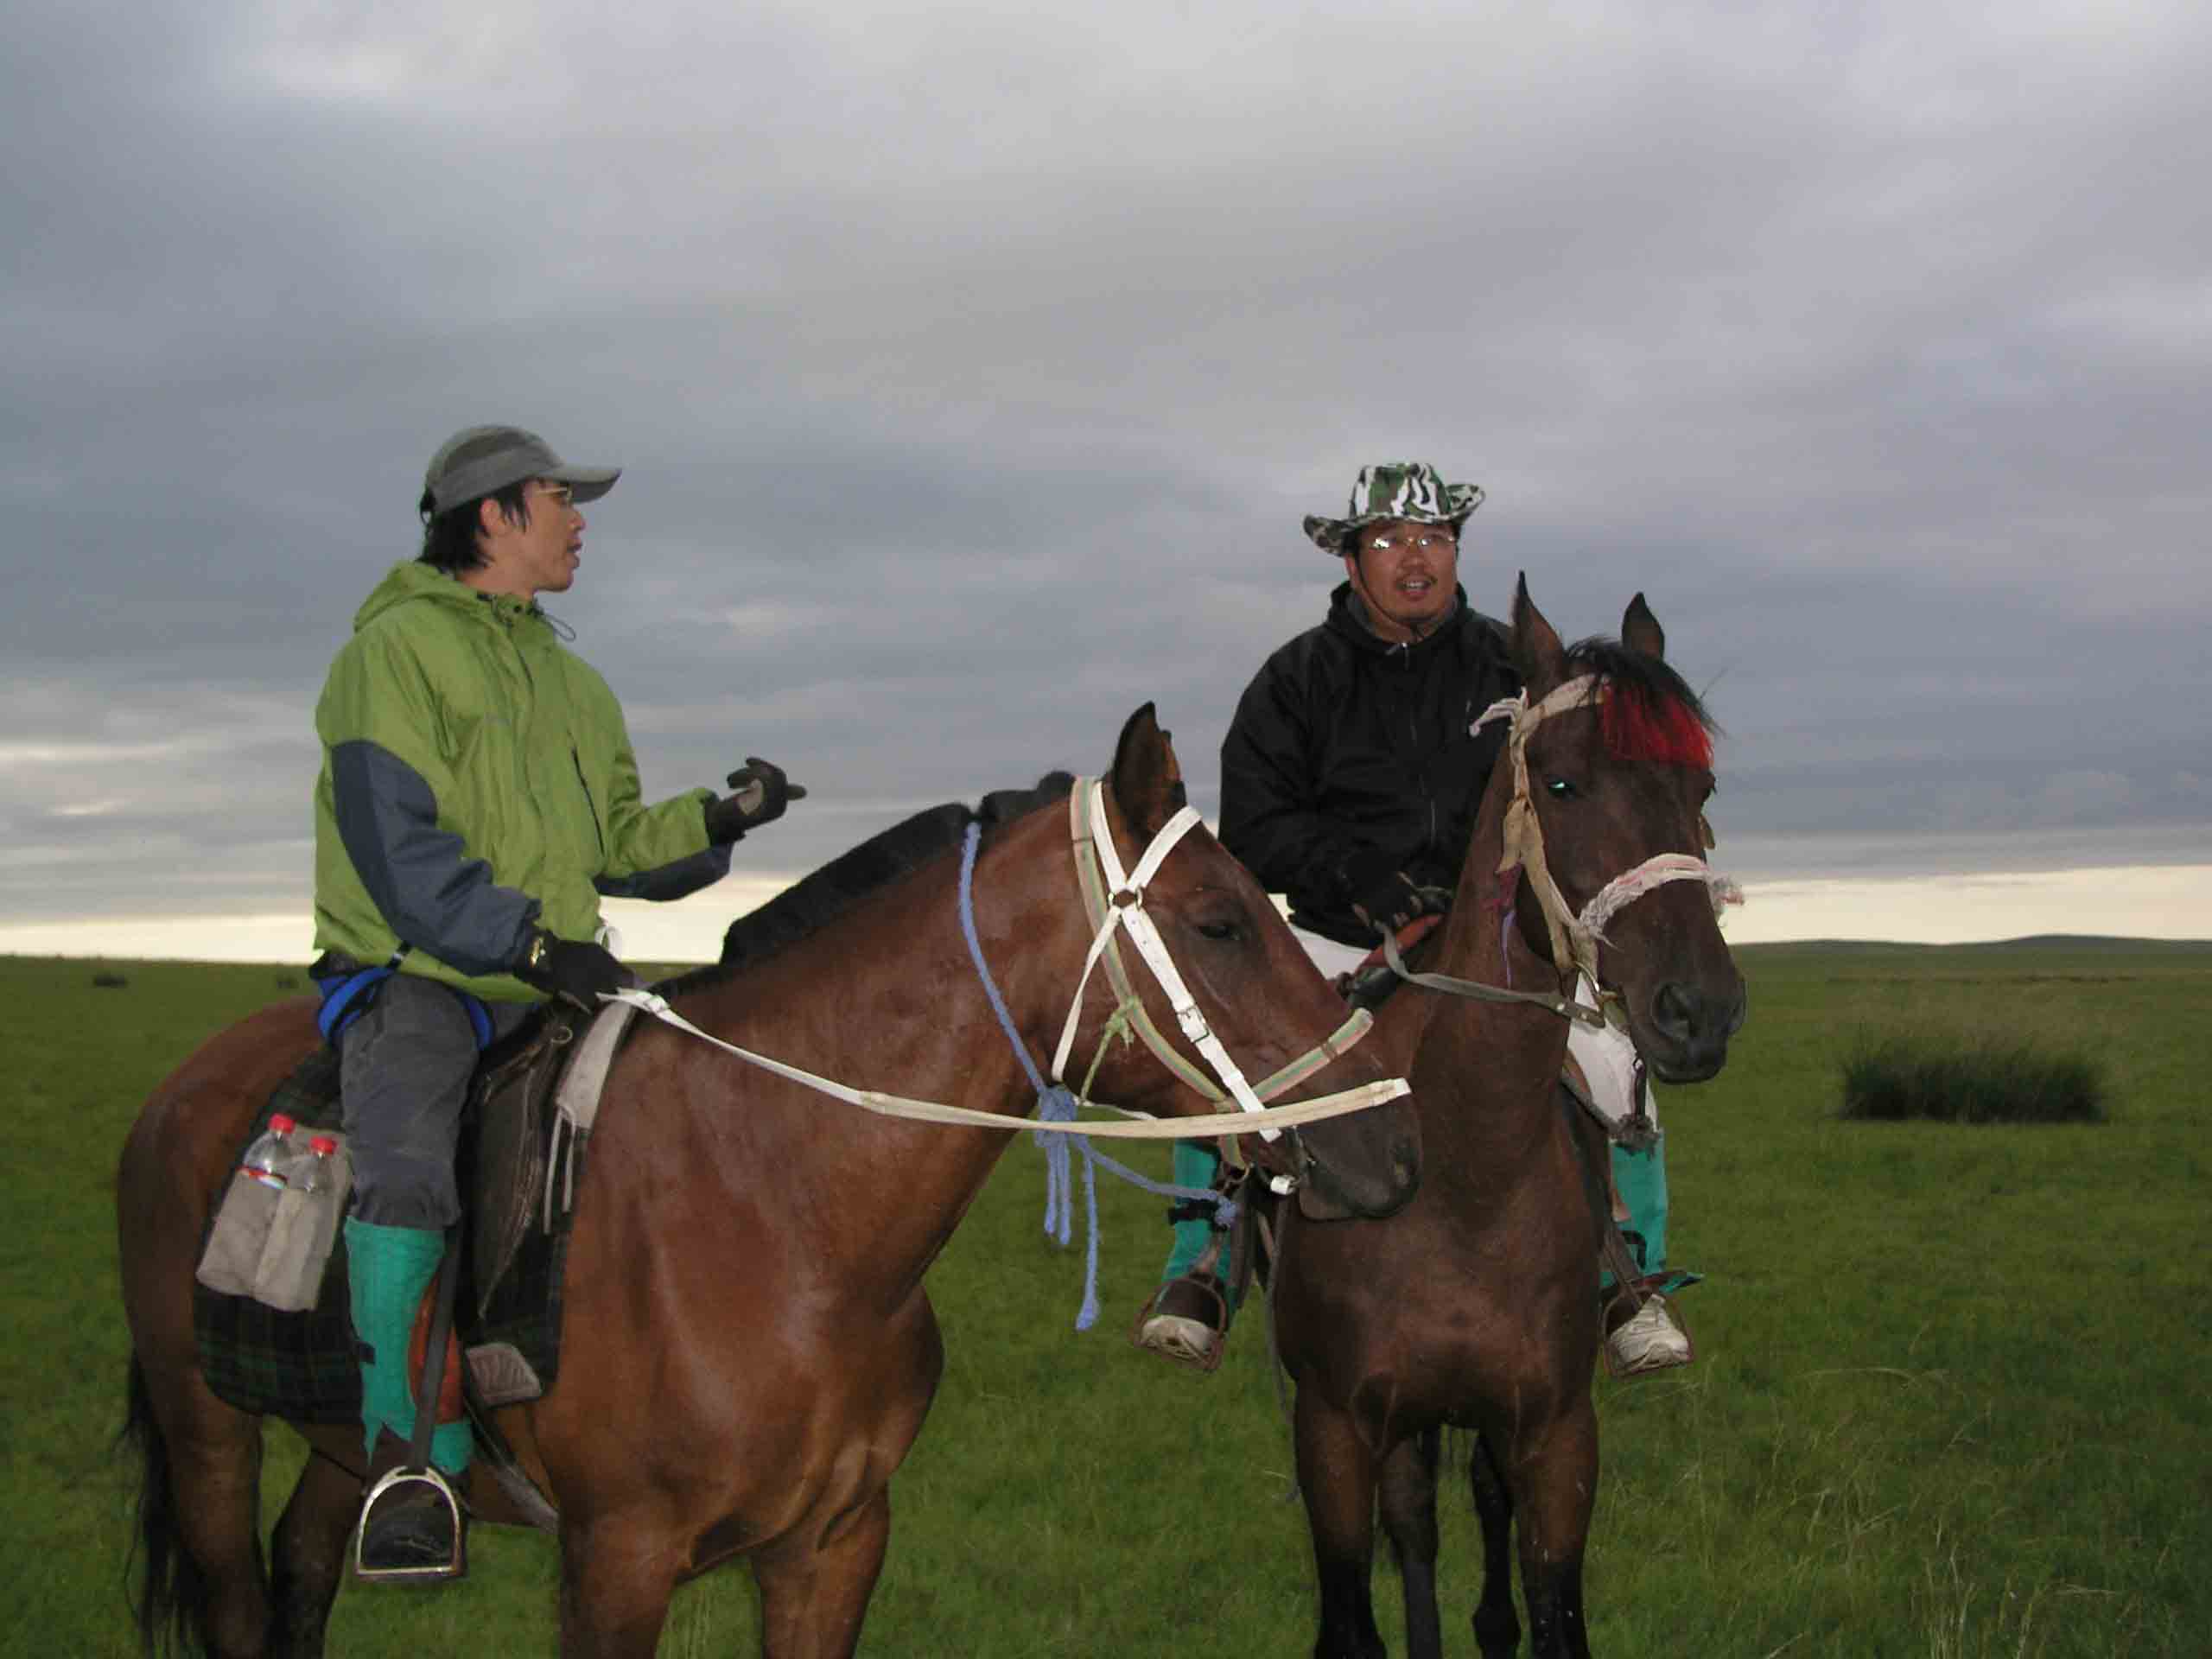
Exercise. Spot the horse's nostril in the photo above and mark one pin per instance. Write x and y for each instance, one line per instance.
(1674, 1010)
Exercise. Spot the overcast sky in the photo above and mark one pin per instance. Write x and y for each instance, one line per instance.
(973, 366)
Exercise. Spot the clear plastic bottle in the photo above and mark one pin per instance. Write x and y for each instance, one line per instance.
(311, 1173)
(233, 1258)
(269, 1158)
(288, 1275)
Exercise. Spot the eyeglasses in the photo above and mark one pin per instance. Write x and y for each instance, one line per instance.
(1426, 541)
(561, 495)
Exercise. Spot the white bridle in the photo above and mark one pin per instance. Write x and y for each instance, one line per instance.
(1116, 901)
(1577, 935)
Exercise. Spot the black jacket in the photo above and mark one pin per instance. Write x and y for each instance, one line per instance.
(1342, 743)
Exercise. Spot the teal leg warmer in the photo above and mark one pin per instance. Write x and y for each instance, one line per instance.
(1641, 1178)
(389, 1268)
(1196, 1164)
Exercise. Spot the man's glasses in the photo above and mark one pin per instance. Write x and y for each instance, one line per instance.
(561, 495)
(1426, 541)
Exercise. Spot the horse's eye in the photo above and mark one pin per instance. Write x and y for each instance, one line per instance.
(1220, 930)
(1559, 789)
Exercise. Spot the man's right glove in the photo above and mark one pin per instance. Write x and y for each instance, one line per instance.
(1384, 896)
(577, 969)
(760, 791)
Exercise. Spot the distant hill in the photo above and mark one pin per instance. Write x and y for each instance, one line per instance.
(2086, 942)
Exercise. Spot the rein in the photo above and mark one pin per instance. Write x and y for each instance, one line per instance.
(1575, 937)
(1125, 907)
(1141, 1125)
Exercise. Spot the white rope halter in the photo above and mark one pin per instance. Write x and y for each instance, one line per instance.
(1577, 935)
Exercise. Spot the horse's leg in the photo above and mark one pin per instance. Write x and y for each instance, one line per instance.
(214, 1471)
(308, 1548)
(616, 1576)
(1498, 1631)
(1335, 1474)
(812, 1600)
(197, 1569)
(1409, 1521)
(1554, 1475)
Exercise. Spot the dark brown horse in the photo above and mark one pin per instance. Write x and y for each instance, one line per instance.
(1476, 1305)
(751, 1352)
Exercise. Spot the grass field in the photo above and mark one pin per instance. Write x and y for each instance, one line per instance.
(1952, 1397)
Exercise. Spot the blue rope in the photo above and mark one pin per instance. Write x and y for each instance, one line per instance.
(1056, 1104)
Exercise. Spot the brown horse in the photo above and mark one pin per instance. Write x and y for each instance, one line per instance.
(1476, 1305)
(750, 1350)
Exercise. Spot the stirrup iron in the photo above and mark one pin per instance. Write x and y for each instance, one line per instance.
(455, 1567)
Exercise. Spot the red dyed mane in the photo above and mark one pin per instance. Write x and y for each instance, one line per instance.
(1640, 727)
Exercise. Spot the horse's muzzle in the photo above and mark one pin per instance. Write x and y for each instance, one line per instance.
(1690, 1027)
(1326, 1192)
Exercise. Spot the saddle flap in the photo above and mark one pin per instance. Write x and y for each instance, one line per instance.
(510, 1149)
(522, 1162)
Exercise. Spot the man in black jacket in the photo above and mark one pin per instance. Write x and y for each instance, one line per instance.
(1350, 781)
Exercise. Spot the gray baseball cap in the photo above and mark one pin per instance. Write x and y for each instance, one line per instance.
(478, 460)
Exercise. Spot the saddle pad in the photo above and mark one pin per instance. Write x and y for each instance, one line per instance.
(302, 1366)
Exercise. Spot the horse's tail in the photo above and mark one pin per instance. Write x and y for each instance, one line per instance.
(170, 1597)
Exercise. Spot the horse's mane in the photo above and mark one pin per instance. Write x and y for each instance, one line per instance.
(817, 900)
(1652, 714)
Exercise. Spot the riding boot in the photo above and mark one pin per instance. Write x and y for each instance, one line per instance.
(389, 1268)
(1648, 1337)
(1187, 1318)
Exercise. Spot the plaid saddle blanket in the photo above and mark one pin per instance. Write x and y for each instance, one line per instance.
(520, 1162)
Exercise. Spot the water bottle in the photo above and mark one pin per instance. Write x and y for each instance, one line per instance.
(312, 1173)
(233, 1257)
(268, 1159)
(288, 1275)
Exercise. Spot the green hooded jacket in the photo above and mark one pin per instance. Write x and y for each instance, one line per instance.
(478, 779)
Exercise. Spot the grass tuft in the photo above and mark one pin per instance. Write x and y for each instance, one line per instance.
(1970, 1077)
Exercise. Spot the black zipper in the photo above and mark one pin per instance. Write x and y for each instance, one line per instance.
(598, 835)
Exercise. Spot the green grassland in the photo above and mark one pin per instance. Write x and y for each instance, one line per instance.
(1954, 1395)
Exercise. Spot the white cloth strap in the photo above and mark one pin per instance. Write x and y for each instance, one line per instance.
(1125, 910)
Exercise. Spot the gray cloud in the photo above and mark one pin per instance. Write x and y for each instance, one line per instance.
(973, 369)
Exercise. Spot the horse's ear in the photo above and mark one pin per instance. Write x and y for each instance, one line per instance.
(1640, 630)
(1537, 654)
(1148, 782)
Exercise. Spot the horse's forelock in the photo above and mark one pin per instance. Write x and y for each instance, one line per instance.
(1640, 727)
(1650, 713)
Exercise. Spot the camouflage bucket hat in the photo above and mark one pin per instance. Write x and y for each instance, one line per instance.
(1411, 490)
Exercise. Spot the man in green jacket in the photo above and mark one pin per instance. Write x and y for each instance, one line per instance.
(478, 798)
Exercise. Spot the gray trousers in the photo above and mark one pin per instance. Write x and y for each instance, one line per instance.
(404, 1071)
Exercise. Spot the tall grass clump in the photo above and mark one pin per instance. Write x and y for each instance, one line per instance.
(1970, 1077)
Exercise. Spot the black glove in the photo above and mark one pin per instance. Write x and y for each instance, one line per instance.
(575, 968)
(761, 794)
(1384, 896)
